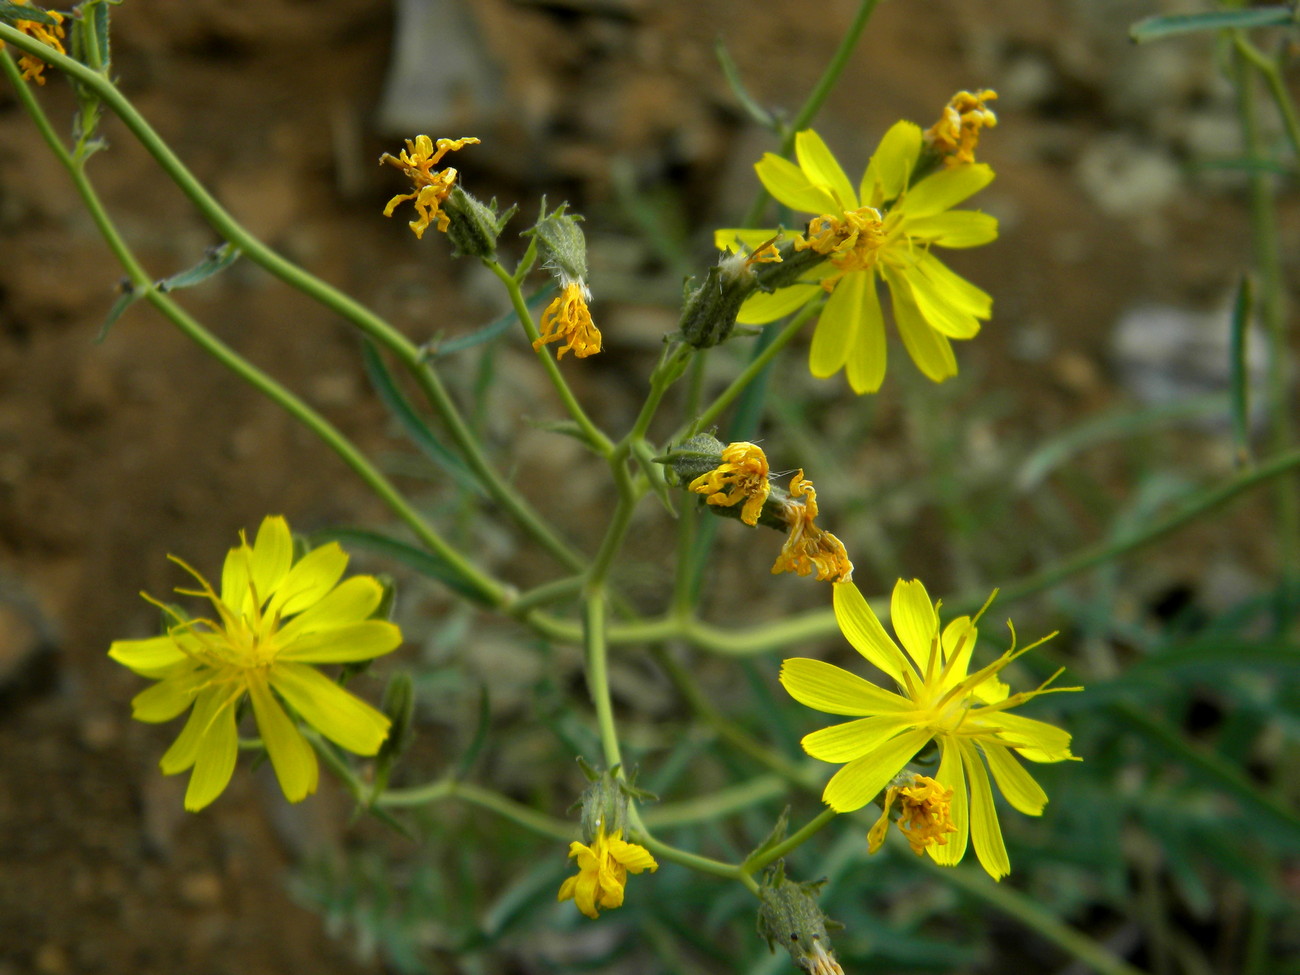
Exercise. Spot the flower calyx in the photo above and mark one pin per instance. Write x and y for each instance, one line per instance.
(788, 914)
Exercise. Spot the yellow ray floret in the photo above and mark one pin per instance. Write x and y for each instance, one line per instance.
(742, 476)
(939, 699)
(274, 618)
(602, 871)
(567, 319)
(808, 549)
(431, 188)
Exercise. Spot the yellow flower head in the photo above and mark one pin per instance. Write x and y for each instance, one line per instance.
(416, 162)
(602, 871)
(568, 318)
(925, 814)
(808, 549)
(273, 619)
(957, 133)
(742, 476)
(32, 66)
(968, 714)
(882, 230)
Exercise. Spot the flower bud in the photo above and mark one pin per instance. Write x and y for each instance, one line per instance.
(474, 226)
(788, 913)
(562, 243)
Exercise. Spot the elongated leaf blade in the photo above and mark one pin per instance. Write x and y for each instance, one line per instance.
(215, 260)
(423, 562)
(1158, 28)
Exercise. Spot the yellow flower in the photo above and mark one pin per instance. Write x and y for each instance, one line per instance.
(967, 714)
(273, 619)
(31, 65)
(416, 161)
(925, 814)
(602, 871)
(744, 471)
(568, 318)
(957, 133)
(883, 230)
(807, 548)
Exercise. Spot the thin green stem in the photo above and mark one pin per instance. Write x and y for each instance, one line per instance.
(1268, 260)
(547, 593)
(794, 841)
(593, 435)
(330, 297)
(716, 804)
(1271, 73)
(450, 788)
(753, 369)
(817, 97)
(593, 632)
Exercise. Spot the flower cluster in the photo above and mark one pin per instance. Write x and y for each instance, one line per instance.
(274, 618)
(431, 190)
(883, 229)
(52, 35)
(941, 700)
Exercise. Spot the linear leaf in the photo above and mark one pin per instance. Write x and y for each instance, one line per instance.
(216, 259)
(423, 562)
(1157, 28)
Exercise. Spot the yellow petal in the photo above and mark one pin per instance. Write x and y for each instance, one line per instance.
(861, 627)
(789, 184)
(291, 757)
(915, 621)
(823, 169)
(944, 190)
(148, 658)
(351, 601)
(825, 687)
(891, 166)
(235, 574)
(342, 644)
(853, 739)
(837, 328)
(928, 349)
(957, 291)
(344, 719)
(185, 749)
(952, 776)
(954, 228)
(272, 555)
(214, 757)
(585, 892)
(730, 238)
(986, 834)
(959, 638)
(762, 307)
(632, 856)
(855, 785)
(315, 574)
(1032, 739)
(169, 697)
(865, 366)
(937, 306)
(1014, 781)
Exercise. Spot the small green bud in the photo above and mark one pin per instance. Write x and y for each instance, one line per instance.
(604, 801)
(474, 225)
(710, 311)
(788, 914)
(562, 243)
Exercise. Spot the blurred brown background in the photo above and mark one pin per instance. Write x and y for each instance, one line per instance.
(114, 454)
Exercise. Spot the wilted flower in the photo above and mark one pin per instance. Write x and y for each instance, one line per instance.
(742, 476)
(416, 161)
(809, 549)
(957, 133)
(32, 67)
(602, 871)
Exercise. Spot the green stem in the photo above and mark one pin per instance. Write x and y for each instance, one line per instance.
(593, 632)
(593, 435)
(491, 591)
(483, 798)
(330, 297)
(1268, 260)
(1276, 84)
(717, 804)
(753, 369)
(817, 97)
(760, 860)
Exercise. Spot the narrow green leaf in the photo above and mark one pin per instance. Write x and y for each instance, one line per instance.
(1158, 28)
(1242, 308)
(216, 259)
(412, 423)
(480, 734)
(125, 300)
(732, 73)
(437, 349)
(12, 13)
(426, 563)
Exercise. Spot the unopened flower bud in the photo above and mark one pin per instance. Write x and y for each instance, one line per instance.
(710, 311)
(562, 243)
(473, 226)
(788, 914)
